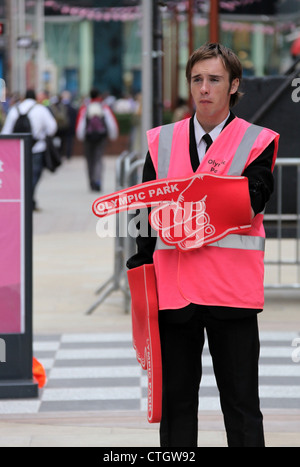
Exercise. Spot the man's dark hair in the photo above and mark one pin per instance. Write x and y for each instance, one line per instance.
(94, 93)
(30, 94)
(230, 61)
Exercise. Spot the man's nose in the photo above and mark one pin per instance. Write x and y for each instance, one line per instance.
(204, 87)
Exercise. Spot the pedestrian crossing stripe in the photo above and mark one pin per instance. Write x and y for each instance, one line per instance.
(99, 371)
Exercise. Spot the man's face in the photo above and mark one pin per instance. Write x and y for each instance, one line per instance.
(211, 91)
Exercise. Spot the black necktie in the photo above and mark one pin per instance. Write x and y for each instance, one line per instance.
(208, 141)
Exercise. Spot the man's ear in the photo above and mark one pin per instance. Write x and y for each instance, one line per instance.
(234, 86)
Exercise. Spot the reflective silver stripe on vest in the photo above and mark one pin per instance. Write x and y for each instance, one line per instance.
(242, 153)
(160, 245)
(237, 165)
(165, 149)
(237, 242)
(240, 242)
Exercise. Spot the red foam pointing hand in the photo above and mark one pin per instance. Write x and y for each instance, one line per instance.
(146, 338)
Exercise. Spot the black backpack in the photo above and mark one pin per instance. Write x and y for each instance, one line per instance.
(23, 124)
(96, 128)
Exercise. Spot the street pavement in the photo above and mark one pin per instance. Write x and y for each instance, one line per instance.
(96, 393)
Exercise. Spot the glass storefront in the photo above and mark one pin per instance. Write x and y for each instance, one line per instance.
(64, 52)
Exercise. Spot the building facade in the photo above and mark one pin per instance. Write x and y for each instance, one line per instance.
(75, 45)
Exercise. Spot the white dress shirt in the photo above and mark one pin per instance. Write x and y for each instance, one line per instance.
(199, 133)
(41, 119)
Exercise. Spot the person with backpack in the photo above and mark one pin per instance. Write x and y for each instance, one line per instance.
(31, 117)
(60, 113)
(95, 125)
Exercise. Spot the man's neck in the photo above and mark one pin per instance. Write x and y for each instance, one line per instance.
(209, 128)
(208, 125)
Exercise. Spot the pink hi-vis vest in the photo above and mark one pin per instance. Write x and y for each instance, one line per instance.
(229, 272)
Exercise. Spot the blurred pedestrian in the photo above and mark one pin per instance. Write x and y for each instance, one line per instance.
(181, 111)
(68, 140)
(2, 115)
(42, 124)
(61, 115)
(96, 124)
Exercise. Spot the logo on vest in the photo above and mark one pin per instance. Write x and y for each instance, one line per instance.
(215, 165)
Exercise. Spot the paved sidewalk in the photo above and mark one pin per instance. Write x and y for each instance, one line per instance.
(70, 263)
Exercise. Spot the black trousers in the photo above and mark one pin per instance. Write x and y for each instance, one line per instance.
(234, 347)
(93, 153)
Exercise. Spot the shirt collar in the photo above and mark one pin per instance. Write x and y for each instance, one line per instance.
(199, 132)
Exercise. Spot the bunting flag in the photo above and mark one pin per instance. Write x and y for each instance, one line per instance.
(232, 5)
(96, 14)
(132, 13)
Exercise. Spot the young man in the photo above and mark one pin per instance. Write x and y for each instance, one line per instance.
(219, 287)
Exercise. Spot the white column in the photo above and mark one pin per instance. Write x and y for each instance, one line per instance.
(14, 51)
(21, 63)
(258, 44)
(86, 57)
(147, 86)
(40, 32)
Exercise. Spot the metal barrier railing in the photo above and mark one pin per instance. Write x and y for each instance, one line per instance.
(283, 251)
(282, 254)
(127, 166)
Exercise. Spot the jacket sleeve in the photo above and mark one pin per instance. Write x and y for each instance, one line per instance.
(145, 245)
(81, 124)
(261, 180)
(50, 122)
(112, 124)
(10, 121)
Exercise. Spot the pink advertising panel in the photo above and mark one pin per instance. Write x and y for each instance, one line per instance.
(12, 200)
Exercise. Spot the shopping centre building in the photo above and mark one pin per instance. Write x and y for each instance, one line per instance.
(57, 45)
